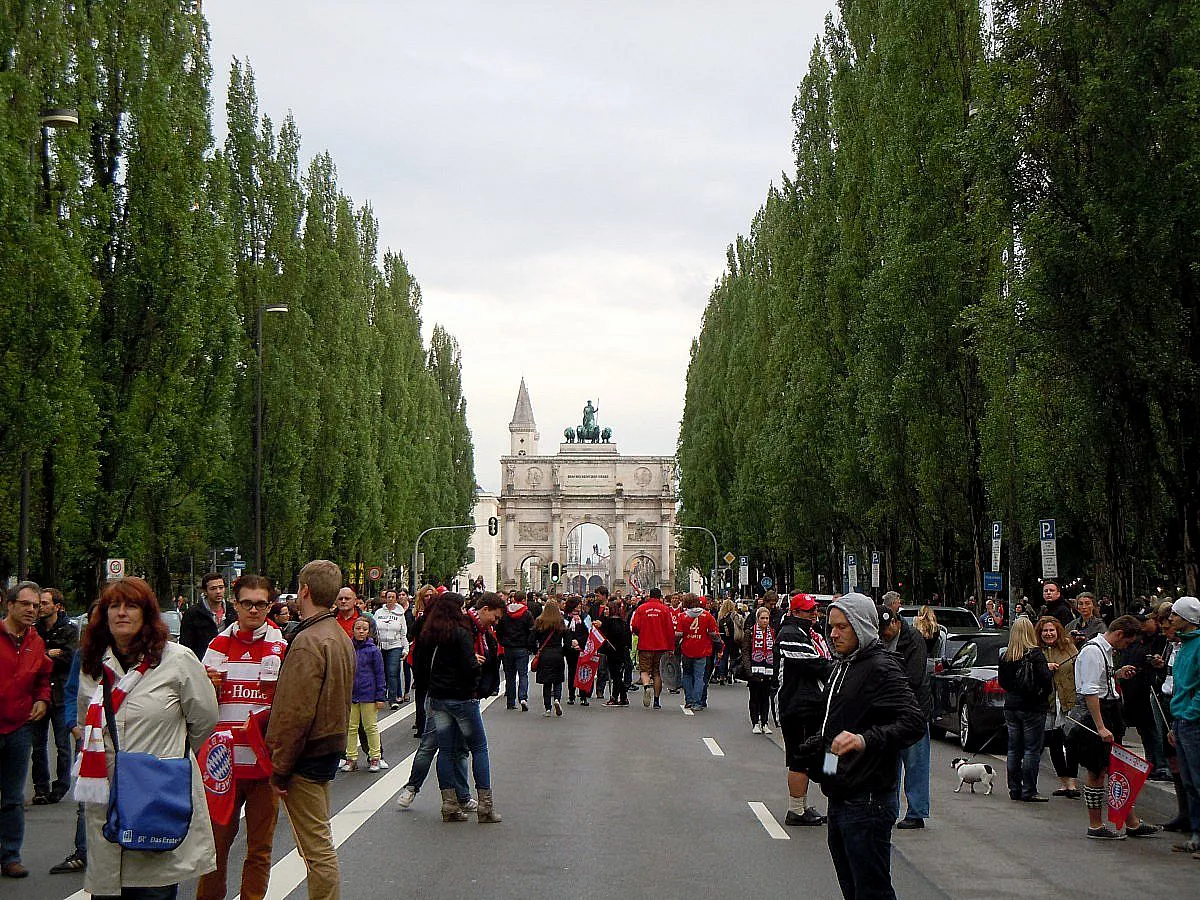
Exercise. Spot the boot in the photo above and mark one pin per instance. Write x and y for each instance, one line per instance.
(486, 812)
(451, 811)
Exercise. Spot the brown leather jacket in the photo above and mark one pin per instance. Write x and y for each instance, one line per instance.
(311, 709)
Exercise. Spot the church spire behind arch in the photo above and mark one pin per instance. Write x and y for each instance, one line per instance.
(522, 429)
(523, 411)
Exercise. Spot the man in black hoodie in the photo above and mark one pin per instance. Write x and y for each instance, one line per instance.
(871, 715)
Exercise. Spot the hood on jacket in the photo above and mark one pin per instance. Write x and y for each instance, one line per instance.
(863, 615)
(516, 610)
(694, 612)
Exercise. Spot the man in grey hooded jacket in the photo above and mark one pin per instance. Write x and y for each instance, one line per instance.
(871, 714)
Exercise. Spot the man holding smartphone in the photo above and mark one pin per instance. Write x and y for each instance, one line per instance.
(871, 715)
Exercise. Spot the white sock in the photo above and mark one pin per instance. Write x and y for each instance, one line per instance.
(797, 804)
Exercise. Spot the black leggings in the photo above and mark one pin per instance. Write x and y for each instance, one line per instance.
(760, 701)
(551, 690)
(620, 681)
(1060, 755)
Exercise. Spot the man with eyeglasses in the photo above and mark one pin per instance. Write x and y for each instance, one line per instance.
(243, 663)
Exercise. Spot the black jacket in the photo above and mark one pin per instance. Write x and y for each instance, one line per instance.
(913, 653)
(516, 632)
(801, 670)
(552, 661)
(1038, 700)
(618, 639)
(197, 627)
(453, 670)
(489, 672)
(868, 695)
(63, 636)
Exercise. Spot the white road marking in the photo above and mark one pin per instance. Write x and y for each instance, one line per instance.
(774, 829)
(713, 747)
(289, 872)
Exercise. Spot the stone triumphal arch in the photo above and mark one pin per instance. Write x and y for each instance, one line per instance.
(542, 498)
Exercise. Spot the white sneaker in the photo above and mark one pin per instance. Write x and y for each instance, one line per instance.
(470, 806)
(406, 798)
(524, 706)
(348, 765)
(767, 730)
(557, 708)
(373, 767)
(546, 714)
(383, 763)
(757, 729)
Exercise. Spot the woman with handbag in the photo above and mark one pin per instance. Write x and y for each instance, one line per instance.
(1060, 653)
(550, 662)
(1026, 678)
(157, 699)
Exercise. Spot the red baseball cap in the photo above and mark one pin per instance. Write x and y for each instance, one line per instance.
(802, 603)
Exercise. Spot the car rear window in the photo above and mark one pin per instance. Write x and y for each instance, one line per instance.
(950, 619)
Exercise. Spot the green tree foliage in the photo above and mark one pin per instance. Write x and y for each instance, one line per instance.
(974, 299)
(137, 259)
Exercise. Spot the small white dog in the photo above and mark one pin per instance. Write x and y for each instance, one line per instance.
(973, 774)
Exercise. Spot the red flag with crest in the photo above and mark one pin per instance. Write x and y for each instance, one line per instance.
(1126, 774)
(216, 769)
(589, 661)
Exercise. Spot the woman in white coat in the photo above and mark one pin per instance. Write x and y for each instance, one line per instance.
(162, 698)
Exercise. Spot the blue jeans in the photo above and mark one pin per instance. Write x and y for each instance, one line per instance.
(459, 721)
(55, 719)
(516, 666)
(860, 843)
(1026, 733)
(1187, 749)
(392, 660)
(423, 759)
(14, 767)
(694, 669)
(914, 763)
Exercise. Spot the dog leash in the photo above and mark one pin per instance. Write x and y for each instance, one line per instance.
(985, 744)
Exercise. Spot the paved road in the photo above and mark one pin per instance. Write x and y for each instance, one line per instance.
(636, 803)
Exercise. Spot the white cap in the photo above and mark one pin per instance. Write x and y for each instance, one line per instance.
(1188, 609)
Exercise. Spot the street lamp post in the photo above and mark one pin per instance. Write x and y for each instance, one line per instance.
(258, 441)
(56, 117)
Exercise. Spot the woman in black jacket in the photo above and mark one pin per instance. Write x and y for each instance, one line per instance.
(1025, 676)
(553, 639)
(456, 658)
(578, 630)
(618, 641)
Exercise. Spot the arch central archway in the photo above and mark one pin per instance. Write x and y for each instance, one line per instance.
(587, 563)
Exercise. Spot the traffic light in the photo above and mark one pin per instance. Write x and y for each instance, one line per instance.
(555, 571)
(729, 578)
(493, 526)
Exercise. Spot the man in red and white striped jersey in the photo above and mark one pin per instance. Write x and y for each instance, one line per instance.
(243, 662)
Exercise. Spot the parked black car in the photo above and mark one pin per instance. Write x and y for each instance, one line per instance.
(967, 698)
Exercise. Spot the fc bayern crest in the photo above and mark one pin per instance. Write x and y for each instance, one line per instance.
(218, 768)
(1118, 790)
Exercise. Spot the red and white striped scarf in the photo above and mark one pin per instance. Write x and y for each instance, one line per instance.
(762, 644)
(91, 777)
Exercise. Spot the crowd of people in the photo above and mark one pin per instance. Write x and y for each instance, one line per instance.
(291, 692)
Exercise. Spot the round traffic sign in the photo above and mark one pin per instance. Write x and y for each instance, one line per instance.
(767, 583)
(116, 568)
(374, 573)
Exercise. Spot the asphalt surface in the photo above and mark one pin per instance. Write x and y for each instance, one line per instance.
(640, 803)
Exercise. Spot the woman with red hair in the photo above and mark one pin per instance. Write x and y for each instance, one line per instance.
(161, 699)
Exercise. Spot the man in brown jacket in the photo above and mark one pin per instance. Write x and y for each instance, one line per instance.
(309, 717)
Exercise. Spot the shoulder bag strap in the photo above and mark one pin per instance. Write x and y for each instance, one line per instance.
(108, 710)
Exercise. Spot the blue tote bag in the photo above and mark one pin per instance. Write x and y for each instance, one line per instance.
(149, 799)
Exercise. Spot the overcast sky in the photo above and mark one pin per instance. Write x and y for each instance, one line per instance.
(563, 178)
